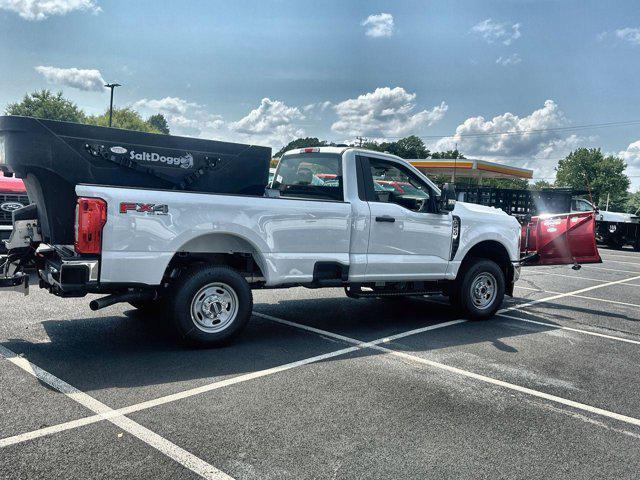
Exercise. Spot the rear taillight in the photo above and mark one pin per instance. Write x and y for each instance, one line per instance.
(91, 215)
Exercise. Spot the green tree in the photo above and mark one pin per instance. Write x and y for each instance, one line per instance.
(300, 143)
(633, 203)
(588, 168)
(125, 118)
(158, 122)
(48, 105)
(540, 184)
(408, 147)
(449, 154)
(512, 183)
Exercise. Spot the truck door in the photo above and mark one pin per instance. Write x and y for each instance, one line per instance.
(408, 239)
(560, 240)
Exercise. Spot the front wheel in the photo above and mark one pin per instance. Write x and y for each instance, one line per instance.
(480, 290)
(211, 305)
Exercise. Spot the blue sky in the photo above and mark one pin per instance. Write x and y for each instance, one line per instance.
(267, 71)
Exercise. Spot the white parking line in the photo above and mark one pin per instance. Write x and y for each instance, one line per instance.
(618, 255)
(111, 414)
(578, 330)
(184, 458)
(618, 261)
(604, 300)
(593, 267)
(529, 274)
(469, 374)
(568, 294)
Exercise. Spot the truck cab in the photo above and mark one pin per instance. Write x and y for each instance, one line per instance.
(614, 229)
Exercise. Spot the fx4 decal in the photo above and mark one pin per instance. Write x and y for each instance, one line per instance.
(148, 208)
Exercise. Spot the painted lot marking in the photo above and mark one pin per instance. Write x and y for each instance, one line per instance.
(186, 459)
(466, 373)
(569, 294)
(113, 414)
(570, 276)
(610, 269)
(619, 255)
(615, 302)
(560, 327)
(618, 261)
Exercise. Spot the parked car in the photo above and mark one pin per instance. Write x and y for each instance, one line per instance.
(615, 229)
(13, 196)
(186, 227)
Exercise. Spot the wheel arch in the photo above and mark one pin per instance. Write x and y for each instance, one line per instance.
(220, 248)
(495, 251)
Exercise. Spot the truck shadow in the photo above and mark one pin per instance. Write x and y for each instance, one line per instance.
(132, 350)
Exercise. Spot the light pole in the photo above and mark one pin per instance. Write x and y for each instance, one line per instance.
(112, 86)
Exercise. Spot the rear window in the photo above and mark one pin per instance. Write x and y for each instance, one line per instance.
(310, 176)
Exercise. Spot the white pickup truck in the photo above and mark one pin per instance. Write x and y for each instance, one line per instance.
(332, 217)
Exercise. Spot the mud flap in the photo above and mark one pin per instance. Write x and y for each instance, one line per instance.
(565, 239)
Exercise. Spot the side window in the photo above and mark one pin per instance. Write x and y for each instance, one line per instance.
(310, 176)
(583, 206)
(393, 184)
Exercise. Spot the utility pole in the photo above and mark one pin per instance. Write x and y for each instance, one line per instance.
(112, 86)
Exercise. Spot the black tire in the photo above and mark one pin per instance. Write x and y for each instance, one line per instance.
(476, 281)
(210, 284)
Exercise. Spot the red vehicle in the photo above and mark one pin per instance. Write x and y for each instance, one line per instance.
(13, 196)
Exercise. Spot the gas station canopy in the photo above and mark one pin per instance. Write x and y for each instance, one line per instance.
(470, 168)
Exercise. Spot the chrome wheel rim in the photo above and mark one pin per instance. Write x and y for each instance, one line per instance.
(483, 290)
(214, 307)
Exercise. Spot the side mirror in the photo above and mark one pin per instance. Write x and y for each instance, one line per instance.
(447, 201)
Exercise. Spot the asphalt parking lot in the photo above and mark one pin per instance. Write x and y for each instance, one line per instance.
(322, 386)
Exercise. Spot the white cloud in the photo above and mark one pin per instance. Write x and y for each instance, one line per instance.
(272, 121)
(477, 136)
(509, 60)
(380, 25)
(42, 9)
(171, 105)
(317, 107)
(531, 141)
(82, 79)
(631, 35)
(632, 156)
(627, 34)
(496, 32)
(386, 112)
(184, 117)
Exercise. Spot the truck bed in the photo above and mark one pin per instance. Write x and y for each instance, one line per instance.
(288, 237)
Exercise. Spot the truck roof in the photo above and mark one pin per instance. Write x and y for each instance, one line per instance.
(339, 151)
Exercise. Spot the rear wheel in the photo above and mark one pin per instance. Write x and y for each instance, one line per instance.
(480, 290)
(210, 305)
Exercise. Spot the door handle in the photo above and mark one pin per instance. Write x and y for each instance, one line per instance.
(385, 218)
